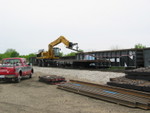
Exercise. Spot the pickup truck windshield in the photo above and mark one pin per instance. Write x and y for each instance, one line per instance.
(10, 62)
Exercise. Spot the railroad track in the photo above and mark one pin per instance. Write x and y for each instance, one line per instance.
(122, 96)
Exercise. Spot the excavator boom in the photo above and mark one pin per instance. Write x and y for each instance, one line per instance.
(63, 40)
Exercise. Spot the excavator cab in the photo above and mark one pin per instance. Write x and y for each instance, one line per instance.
(56, 51)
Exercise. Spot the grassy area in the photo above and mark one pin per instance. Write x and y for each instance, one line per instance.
(115, 69)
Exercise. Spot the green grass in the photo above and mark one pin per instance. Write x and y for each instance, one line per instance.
(116, 69)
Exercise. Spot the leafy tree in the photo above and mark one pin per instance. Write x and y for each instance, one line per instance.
(9, 53)
(1, 56)
(139, 46)
(80, 50)
(14, 54)
(28, 56)
(23, 56)
(31, 55)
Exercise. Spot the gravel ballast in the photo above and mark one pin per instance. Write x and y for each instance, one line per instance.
(99, 77)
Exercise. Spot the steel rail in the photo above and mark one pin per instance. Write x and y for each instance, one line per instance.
(108, 94)
(116, 89)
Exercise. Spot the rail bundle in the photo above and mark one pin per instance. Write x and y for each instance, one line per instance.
(116, 95)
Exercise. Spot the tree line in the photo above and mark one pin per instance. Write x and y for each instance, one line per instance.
(9, 53)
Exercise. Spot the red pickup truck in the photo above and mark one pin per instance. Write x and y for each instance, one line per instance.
(14, 69)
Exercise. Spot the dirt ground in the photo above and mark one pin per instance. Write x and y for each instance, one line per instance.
(32, 96)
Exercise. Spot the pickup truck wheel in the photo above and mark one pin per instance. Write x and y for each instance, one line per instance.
(30, 76)
(18, 79)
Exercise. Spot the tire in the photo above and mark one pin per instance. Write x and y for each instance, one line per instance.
(30, 76)
(18, 79)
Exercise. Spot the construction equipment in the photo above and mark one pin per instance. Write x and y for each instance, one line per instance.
(45, 58)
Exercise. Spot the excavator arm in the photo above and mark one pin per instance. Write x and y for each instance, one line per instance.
(63, 40)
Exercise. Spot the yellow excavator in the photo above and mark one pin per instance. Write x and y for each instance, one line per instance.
(45, 58)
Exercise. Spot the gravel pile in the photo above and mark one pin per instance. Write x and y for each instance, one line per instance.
(84, 75)
(139, 73)
(147, 69)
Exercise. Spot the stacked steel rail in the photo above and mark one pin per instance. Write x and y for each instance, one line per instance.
(117, 95)
(140, 85)
(137, 79)
(52, 79)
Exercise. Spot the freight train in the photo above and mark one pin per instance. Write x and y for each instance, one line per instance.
(101, 59)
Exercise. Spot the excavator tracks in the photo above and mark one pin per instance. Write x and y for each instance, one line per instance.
(122, 96)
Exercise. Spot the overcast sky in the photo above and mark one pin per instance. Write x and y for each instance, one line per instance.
(30, 25)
